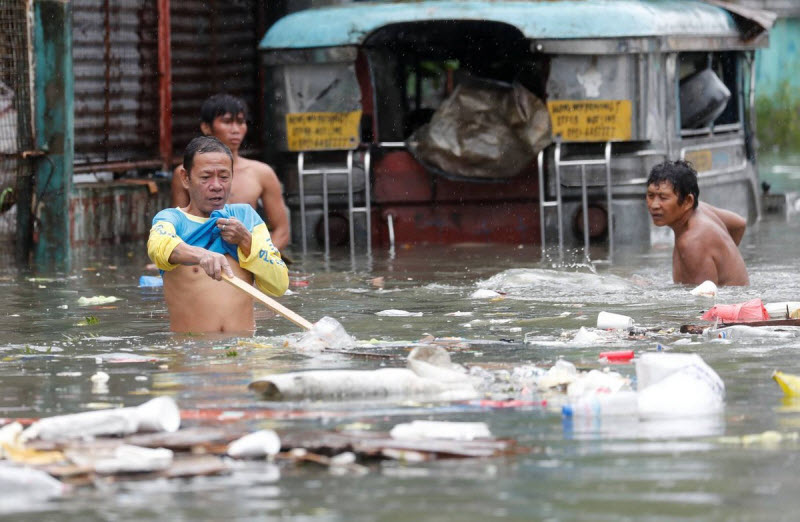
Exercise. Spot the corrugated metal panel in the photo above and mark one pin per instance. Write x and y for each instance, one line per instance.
(15, 122)
(213, 50)
(115, 61)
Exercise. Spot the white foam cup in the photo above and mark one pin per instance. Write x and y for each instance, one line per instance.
(263, 443)
(159, 414)
(609, 321)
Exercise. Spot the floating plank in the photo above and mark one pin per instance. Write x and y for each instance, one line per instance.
(698, 328)
(373, 445)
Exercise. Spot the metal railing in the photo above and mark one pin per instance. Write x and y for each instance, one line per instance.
(352, 210)
(559, 164)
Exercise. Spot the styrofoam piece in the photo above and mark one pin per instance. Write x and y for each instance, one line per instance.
(705, 289)
(484, 293)
(262, 443)
(398, 313)
(421, 429)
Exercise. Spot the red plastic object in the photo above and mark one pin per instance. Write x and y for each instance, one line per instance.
(621, 356)
(752, 310)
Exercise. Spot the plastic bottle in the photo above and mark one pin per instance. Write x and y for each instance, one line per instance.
(741, 331)
(603, 405)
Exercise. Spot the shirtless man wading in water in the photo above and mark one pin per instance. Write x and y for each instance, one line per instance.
(196, 244)
(706, 237)
(225, 117)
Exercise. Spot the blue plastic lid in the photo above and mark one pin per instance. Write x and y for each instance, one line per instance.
(150, 281)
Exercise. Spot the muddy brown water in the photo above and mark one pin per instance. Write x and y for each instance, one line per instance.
(599, 469)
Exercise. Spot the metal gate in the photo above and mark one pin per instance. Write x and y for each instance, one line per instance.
(16, 132)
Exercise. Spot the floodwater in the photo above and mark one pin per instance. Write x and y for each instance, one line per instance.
(598, 469)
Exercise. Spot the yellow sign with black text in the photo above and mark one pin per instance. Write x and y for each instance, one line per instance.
(322, 130)
(702, 160)
(591, 120)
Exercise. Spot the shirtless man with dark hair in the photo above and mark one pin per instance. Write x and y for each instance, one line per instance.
(706, 237)
(225, 117)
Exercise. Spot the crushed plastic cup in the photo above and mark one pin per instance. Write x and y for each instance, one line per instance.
(610, 321)
(263, 443)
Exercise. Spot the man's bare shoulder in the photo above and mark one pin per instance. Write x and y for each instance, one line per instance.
(702, 236)
(259, 168)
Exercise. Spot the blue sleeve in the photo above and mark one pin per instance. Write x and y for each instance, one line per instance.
(170, 215)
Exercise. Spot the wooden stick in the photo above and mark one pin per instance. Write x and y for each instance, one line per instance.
(697, 328)
(270, 303)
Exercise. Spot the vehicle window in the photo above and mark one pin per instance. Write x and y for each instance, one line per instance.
(709, 89)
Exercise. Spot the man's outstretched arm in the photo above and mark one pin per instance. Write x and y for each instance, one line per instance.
(735, 223)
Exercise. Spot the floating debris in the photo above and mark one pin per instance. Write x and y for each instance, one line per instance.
(398, 313)
(97, 300)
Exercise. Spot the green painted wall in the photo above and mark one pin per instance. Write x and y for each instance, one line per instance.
(778, 89)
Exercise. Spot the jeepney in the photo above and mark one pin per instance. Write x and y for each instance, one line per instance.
(358, 92)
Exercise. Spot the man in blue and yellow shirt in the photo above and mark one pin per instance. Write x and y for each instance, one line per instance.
(195, 244)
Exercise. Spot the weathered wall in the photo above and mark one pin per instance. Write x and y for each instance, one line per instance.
(778, 88)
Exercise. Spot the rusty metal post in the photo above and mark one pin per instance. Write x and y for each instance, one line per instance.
(54, 131)
(164, 85)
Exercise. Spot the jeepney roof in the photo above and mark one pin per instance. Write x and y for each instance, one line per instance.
(552, 19)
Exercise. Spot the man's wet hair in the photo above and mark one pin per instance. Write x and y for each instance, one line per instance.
(203, 145)
(220, 105)
(681, 175)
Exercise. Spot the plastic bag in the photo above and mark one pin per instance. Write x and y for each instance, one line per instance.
(752, 310)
